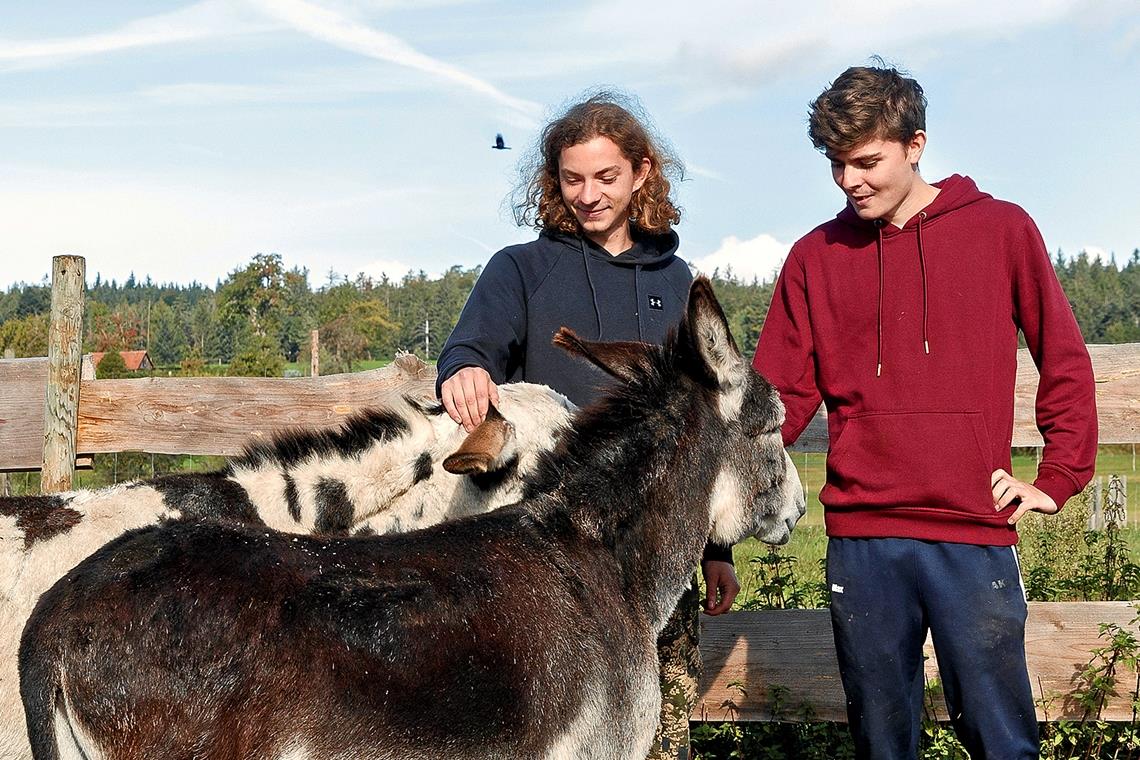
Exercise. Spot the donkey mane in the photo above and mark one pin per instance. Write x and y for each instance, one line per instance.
(355, 435)
(608, 420)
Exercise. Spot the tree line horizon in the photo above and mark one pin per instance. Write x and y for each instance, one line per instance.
(260, 317)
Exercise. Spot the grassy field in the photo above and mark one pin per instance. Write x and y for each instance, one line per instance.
(360, 366)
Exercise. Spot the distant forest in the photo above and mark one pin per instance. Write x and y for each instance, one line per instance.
(260, 317)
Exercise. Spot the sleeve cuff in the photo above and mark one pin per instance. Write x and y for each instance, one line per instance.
(1058, 487)
(716, 553)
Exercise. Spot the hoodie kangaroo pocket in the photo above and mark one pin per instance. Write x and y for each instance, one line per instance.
(910, 459)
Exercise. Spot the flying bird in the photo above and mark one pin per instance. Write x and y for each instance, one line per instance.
(499, 143)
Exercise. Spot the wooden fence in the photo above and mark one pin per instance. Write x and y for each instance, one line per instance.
(746, 654)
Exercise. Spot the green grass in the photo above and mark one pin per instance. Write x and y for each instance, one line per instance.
(360, 366)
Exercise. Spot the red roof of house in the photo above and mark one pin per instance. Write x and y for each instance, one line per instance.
(133, 359)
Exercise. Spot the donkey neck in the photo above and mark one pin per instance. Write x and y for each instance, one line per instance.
(651, 508)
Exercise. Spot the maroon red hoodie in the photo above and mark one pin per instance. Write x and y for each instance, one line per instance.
(910, 338)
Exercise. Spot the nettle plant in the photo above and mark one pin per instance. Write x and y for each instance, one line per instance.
(1062, 560)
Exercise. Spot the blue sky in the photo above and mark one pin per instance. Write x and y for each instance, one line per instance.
(178, 139)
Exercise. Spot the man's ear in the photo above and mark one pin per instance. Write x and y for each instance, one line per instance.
(620, 359)
(641, 173)
(915, 147)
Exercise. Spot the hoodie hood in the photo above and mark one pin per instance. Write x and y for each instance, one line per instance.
(955, 192)
(648, 249)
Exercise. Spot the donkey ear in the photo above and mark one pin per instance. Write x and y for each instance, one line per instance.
(710, 337)
(621, 359)
(482, 446)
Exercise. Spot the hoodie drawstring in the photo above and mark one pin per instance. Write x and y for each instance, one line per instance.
(925, 294)
(593, 290)
(922, 263)
(879, 341)
(637, 299)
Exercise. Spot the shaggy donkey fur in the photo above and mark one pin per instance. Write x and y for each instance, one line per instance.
(528, 632)
(382, 471)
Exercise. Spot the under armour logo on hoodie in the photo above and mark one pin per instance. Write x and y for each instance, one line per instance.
(656, 303)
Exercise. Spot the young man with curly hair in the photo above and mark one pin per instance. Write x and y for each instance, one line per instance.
(902, 316)
(605, 265)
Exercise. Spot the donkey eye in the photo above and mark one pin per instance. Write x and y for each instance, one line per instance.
(758, 430)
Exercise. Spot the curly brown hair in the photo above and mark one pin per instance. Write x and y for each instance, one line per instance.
(538, 198)
(866, 103)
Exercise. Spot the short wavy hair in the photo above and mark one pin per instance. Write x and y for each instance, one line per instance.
(537, 200)
(866, 103)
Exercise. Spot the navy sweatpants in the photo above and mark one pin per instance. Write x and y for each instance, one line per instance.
(885, 594)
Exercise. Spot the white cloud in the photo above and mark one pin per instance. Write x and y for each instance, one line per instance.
(726, 52)
(1095, 252)
(393, 268)
(177, 227)
(478, 243)
(217, 18)
(699, 171)
(761, 257)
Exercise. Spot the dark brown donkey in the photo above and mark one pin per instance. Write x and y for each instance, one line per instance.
(524, 633)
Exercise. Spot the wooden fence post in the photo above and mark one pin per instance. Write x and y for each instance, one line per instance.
(65, 353)
(315, 354)
(1096, 509)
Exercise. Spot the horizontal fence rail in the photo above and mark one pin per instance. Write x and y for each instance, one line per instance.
(191, 415)
(1116, 369)
(216, 415)
(750, 656)
(22, 384)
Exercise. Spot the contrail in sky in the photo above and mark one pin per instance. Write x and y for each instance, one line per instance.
(329, 26)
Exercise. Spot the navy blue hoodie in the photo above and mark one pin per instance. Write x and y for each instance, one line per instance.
(526, 292)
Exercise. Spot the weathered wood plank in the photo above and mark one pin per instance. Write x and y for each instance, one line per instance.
(219, 415)
(23, 384)
(1116, 369)
(793, 649)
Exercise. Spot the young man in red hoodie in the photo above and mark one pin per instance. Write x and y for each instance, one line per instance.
(902, 316)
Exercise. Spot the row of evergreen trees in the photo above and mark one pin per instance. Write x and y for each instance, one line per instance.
(258, 318)
(262, 314)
